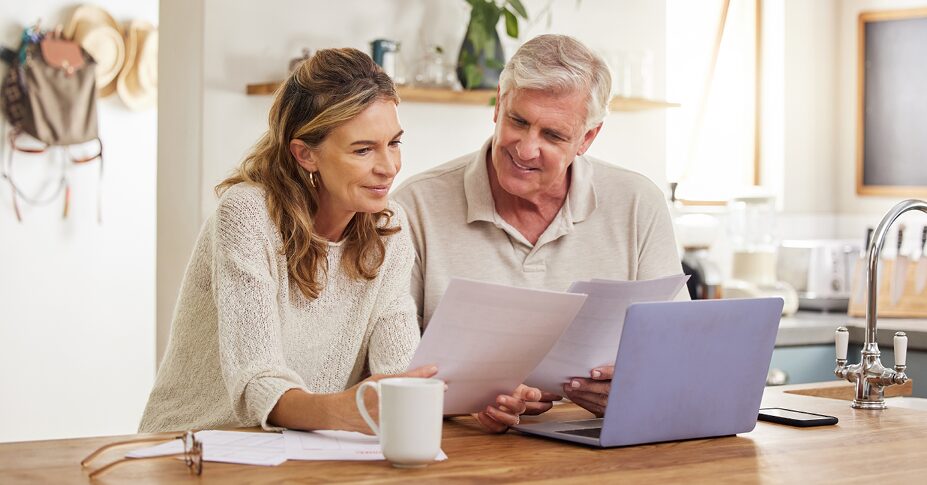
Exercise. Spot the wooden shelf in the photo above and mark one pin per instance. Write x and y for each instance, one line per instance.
(620, 103)
(479, 97)
(261, 88)
(420, 95)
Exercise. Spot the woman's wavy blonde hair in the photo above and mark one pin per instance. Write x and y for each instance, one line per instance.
(323, 93)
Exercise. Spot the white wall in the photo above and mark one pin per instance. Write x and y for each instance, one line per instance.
(809, 80)
(180, 154)
(250, 42)
(799, 115)
(77, 298)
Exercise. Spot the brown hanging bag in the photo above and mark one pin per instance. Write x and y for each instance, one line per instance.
(49, 93)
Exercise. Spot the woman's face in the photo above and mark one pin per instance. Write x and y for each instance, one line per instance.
(356, 164)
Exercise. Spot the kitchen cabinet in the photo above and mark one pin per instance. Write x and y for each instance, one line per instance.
(806, 363)
(917, 368)
(815, 363)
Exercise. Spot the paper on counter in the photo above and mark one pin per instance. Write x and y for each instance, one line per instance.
(265, 449)
(486, 338)
(592, 339)
(335, 445)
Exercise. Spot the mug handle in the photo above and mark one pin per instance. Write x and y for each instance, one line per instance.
(362, 406)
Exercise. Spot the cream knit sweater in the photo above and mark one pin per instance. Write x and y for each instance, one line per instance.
(242, 335)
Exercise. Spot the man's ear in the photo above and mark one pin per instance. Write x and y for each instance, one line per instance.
(304, 155)
(588, 138)
(495, 109)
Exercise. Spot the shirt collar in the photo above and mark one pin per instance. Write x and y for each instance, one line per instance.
(581, 200)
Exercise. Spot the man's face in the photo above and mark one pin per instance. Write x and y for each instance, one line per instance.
(537, 136)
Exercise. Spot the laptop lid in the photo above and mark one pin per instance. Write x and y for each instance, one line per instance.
(690, 369)
(685, 369)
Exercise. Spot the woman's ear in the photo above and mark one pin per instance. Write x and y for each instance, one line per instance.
(303, 155)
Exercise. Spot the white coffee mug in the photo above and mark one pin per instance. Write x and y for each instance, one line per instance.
(411, 415)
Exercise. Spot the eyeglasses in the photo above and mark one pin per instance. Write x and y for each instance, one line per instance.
(192, 453)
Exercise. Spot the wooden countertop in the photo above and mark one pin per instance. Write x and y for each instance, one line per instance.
(885, 446)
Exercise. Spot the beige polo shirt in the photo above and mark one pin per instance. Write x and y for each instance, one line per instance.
(614, 224)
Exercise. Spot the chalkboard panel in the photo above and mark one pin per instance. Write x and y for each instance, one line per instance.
(892, 124)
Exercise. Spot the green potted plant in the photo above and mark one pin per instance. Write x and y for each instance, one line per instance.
(481, 58)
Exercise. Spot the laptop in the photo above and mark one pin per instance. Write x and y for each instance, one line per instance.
(684, 370)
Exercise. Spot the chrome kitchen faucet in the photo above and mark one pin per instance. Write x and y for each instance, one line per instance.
(870, 376)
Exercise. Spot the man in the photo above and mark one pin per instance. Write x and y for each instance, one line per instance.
(529, 209)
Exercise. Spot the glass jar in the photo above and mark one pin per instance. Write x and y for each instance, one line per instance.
(754, 241)
(433, 70)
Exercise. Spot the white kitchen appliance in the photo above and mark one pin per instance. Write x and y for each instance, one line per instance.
(820, 270)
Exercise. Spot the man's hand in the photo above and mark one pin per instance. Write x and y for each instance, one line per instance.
(591, 394)
(539, 405)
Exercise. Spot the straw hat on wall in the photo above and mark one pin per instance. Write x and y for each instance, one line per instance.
(95, 30)
(137, 83)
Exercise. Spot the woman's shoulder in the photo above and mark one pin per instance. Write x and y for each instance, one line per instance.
(244, 206)
(399, 242)
(242, 199)
(399, 218)
(242, 194)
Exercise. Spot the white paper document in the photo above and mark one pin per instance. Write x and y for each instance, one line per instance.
(592, 339)
(335, 445)
(266, 449)
(486, 338)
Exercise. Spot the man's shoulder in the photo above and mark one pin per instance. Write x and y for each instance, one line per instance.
(436, 179)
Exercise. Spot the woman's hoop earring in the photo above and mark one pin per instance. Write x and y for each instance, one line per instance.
(312, 181)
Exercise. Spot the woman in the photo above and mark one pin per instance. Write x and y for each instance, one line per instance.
(299, 283)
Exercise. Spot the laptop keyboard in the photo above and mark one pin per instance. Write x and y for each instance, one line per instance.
(587, 432)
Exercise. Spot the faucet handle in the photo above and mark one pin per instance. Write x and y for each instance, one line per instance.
(901, 349)
(842, 339)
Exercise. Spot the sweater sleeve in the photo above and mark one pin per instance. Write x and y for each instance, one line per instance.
(396, 332)
(250, 347)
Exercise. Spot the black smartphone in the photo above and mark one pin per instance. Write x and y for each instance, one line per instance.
(795, 418)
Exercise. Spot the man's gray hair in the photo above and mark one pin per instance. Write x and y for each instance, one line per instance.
(560, 64)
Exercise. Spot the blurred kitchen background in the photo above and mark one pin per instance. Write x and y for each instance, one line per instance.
(752, 134)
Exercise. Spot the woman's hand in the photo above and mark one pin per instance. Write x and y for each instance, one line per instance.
(352, 419)
(298, 409)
